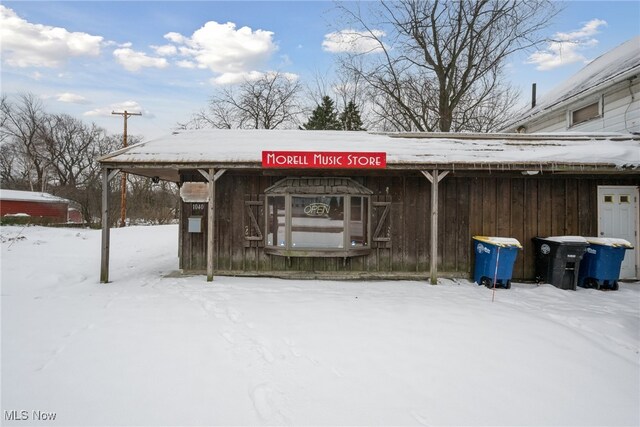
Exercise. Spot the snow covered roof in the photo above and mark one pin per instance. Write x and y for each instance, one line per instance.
(608, 69)
(30, 196)
(243, 149)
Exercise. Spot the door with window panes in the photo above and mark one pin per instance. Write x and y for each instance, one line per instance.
(617, 217)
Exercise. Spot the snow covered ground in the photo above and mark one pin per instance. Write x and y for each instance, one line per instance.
(153, 350)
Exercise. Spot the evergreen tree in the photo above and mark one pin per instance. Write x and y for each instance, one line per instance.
(324, 117)
(350, 117)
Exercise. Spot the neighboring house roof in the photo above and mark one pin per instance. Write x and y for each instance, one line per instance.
(617, 65)
(164, 156)
(30, 196)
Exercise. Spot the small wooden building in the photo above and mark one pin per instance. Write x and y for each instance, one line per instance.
(39, 206)
(333, 204)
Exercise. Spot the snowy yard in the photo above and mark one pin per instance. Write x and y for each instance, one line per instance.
(153, 350)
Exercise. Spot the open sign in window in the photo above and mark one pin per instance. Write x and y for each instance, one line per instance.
(300, 223)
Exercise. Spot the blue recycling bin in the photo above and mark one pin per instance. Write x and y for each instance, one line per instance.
(495, 257)
(600, 265)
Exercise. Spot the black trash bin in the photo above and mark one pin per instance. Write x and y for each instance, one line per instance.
(558, 260)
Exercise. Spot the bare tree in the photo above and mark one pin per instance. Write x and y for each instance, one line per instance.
(268, 102)
(319, 86)
(63, 151)
(72, 146)
(217, 115)
(22, 127)
(443, 60)
(151, 202)
(13, 174)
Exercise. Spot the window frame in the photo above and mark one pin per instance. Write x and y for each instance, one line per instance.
(584, 105)
(292, 251)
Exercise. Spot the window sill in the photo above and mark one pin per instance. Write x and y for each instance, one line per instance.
(326, 253)
(572, 125)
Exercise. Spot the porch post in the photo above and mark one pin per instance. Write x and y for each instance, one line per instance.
(107, 175)
(211, 224)
(434, 177)
(104, 264)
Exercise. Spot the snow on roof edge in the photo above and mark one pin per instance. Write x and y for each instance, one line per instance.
(30, 196)
(557, 150)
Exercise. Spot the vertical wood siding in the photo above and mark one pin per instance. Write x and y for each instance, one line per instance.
(515, 206)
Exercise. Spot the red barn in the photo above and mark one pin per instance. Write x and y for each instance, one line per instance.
(38, 205)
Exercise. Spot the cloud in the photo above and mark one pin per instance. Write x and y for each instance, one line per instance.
(176, 38)
(186, 64)
(566, 47)
(129, 106)
(589, 29)
(224, 49)
(134, 61)
(235, 78)
(352, 41)
(34, 45)
(72, 98)
(165, 50)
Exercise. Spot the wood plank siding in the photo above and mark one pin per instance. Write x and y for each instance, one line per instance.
(509, 205)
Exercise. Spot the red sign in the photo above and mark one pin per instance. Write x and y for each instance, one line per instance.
(323, 160)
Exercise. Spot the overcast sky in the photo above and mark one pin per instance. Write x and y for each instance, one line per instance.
(164, 59)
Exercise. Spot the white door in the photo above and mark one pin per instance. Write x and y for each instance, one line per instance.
(618, 217)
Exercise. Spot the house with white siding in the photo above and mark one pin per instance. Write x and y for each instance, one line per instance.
(602, 97)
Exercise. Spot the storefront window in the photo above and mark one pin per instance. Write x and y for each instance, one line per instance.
(359, 221)
(317, 222)
(309, 217)
(276, 235)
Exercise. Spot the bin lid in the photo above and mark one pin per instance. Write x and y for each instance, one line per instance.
(566, 239)
(610, 241)
(499, 241)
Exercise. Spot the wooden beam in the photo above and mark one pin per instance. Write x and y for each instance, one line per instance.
(104, 264)
(211, 224)
(215, 177)
(441, 175)
(434, 178)
(204, 173)
(113, 174)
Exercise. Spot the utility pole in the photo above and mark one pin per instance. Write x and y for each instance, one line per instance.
(123, 185)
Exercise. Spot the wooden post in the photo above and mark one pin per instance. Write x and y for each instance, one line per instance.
(211, 176)
(180, 233)
(211, 224)
(107, 175)
(435, 179)
(434, 228)
(104, 265)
